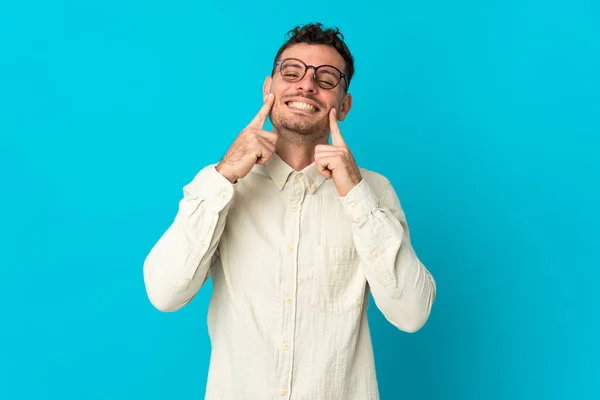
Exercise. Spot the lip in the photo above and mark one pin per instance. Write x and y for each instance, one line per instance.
(302, 100)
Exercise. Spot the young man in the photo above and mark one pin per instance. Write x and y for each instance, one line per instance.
(295, 236)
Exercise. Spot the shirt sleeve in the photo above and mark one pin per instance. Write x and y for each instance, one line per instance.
(179, 263)
(403, 289)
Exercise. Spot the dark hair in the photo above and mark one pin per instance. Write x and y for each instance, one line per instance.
(315, 34)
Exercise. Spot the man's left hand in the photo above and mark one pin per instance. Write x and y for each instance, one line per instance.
(336, 160)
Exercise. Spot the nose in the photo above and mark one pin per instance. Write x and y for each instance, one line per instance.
(309, 82)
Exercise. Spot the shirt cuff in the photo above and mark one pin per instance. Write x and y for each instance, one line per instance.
(360, 201)
(210, 185)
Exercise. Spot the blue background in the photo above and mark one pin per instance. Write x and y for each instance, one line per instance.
(484, 115)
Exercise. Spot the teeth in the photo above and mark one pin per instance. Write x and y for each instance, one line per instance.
(302, 106)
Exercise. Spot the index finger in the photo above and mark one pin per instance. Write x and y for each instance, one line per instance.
(336, 134)
(260, 118)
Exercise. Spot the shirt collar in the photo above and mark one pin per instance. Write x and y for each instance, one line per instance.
(279, 172)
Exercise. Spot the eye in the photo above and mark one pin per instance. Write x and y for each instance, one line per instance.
(292, 70)
(328, 81)
(328, 77)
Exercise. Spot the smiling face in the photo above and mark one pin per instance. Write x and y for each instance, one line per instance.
(302, 108)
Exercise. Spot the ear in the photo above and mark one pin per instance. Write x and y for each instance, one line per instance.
(267, 86)
(345, 107)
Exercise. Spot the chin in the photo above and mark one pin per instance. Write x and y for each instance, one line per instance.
(299, 124)
(304, 128)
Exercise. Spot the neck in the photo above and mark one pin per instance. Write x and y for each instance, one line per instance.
(298, 150)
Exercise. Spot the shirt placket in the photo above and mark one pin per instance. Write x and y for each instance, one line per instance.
(290, 282)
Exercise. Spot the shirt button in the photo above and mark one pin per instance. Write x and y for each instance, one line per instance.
(288, 299)
(223, 195)
(283, 392)
(298, 177)
(290, 249)
(202, 243)
(375, 254)
(286, 346)
(294, 208)
(353, 205)
(280, 181)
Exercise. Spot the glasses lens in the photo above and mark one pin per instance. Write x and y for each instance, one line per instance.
(328, 77)
(292, 70)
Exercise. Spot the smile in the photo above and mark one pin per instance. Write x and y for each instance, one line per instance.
(302, 106)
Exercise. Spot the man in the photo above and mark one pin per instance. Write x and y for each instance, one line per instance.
(295, 236)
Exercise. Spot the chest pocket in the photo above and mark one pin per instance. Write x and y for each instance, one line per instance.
(338, 284)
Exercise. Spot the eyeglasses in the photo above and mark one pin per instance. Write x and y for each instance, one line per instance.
(326, 76)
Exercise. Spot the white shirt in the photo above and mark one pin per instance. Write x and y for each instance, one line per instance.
(292, 264)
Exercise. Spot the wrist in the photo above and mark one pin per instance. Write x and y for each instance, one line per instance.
(223, 169)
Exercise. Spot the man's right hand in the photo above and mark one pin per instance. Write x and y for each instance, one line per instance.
(252, 146)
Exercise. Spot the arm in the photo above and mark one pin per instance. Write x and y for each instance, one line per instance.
(179, 263)
(402, 287)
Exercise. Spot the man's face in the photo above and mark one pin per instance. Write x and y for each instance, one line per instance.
(303, 107)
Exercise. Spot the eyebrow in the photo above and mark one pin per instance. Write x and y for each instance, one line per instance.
(327, 71)
(294, 63)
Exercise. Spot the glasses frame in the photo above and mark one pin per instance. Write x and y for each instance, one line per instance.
(306, 68)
